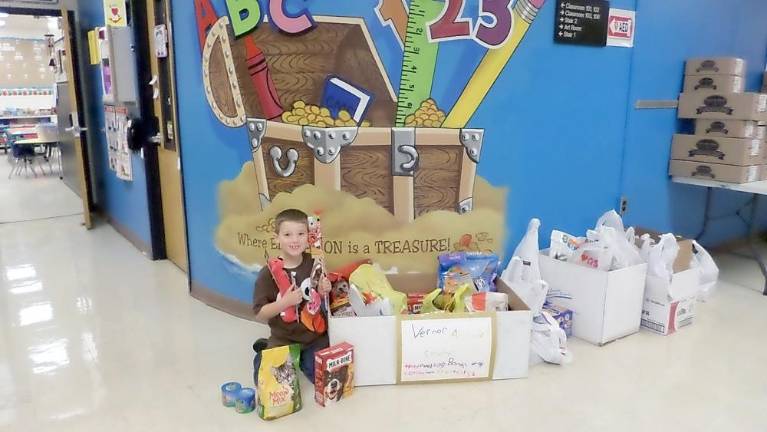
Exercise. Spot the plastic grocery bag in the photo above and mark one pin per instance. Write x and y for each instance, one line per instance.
(549, 341)
(625, 253)
(369, 279)
(709, 271)
(594, 254)
(533, 293)
(376, 307)
(610, 219)
(564, 245)
(428, 302)
(660, 257)
(527, 250)
(646, 247)
(460, 297)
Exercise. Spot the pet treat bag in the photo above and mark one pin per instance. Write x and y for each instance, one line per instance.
(458, 268)
(279, 393)
(333, 373)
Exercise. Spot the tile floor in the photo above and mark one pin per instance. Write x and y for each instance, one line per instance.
(95, 337)
(21, 198)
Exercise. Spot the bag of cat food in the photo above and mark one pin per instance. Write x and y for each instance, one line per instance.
(279, 393)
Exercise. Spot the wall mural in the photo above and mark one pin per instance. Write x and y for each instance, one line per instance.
(393, 174)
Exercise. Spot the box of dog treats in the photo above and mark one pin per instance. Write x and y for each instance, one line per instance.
(333, 373)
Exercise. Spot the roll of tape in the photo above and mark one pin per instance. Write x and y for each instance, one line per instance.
(246, 401)
(229, 392)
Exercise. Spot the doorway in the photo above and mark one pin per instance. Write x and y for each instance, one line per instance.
(45, 166)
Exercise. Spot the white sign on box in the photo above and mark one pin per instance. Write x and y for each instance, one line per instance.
(446, 349)
(621, 25)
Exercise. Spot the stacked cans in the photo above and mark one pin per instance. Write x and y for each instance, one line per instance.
(243, 399)
(729, 140)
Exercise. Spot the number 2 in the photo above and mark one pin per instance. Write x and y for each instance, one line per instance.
(495, 35)
(448, 25)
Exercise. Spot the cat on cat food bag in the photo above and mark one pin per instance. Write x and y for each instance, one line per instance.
(279, 393)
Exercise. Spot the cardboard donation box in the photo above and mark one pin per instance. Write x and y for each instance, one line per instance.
(718, 172)
(715, 66)
(683, 258)
(730, 128)
(731, 151)
(606, 305)
(669, 306)
(440, 347)
(720, 83)
(723, 106)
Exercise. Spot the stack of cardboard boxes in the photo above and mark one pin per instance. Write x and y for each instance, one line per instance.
(728, 144)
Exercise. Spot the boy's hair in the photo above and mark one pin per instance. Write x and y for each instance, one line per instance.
(290, 215)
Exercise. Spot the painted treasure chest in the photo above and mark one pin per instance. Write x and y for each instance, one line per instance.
(275, 84)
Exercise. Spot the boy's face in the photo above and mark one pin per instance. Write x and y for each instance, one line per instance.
(292, 237)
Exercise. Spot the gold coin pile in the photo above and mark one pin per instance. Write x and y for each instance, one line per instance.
(304, 114)
(427, 115)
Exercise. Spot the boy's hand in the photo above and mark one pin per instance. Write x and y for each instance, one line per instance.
(292, 297)
(324, 287)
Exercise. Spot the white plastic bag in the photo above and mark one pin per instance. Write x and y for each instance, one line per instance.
(549, 341)
(533, 293)
(610, 219)
(527, 250)
(647, 243)
(563, 245)
(379, 307)
(625, 253)
(660, 257)
(709, 271)
(593, 254)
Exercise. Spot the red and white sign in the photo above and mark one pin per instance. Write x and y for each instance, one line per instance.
(621, 25)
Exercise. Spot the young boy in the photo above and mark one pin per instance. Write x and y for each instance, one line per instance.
(291, 229)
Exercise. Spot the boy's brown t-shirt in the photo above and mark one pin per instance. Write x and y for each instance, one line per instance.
(266, 291)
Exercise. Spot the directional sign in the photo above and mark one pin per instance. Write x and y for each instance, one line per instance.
(581, 22)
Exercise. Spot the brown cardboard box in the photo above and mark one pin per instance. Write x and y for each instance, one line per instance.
(731, 151)
(717, 172)
(684, 256)
(714, 83)
(723, 106)
(715, 66)
(729, 128)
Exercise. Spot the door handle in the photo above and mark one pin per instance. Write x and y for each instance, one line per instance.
(76, 130)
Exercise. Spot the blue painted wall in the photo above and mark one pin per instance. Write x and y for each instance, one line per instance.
(125, 202)
(561, 131)
(555, 126)
(667, 34)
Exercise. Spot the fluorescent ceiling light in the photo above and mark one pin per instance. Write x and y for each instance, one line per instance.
(3, 14)
(2, 23)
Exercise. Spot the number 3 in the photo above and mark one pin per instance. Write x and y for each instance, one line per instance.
(496, 35)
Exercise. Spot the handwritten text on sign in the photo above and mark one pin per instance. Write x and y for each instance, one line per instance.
(436, 349)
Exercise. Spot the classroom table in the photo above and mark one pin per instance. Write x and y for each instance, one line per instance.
(756, 189)
(49, 143)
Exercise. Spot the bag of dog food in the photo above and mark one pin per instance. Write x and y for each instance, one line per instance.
(279, 393)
